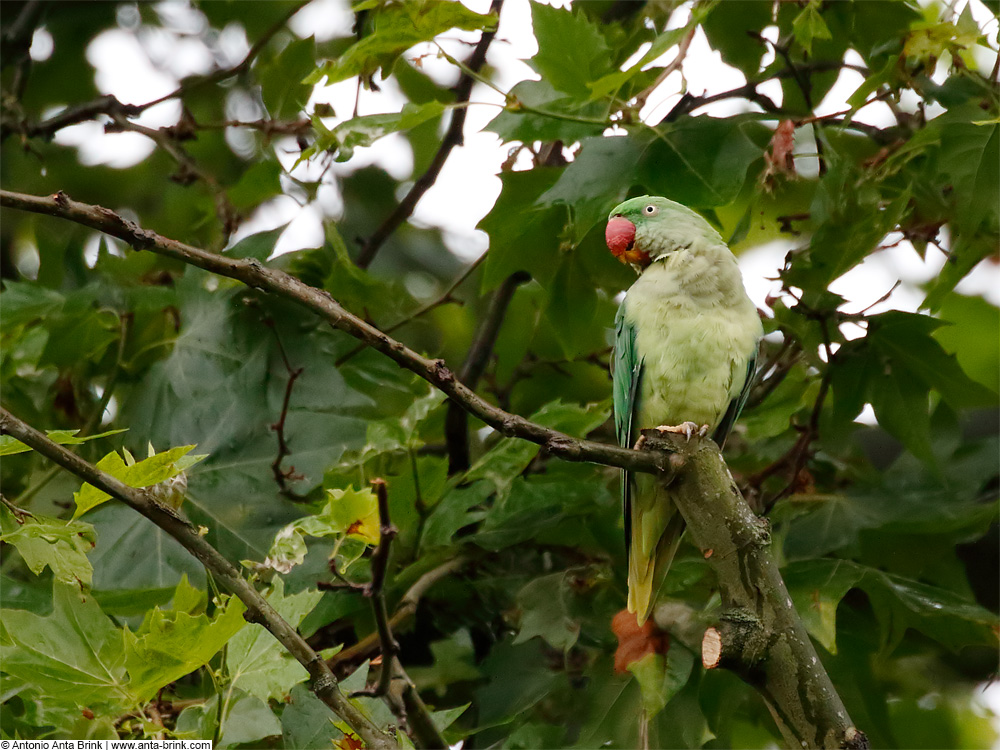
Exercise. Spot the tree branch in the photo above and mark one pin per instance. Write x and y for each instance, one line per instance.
(760, 636)
(374, 591)
(255, 274)
(407, 608)
(452, 138)
(281, 476)
(443, 299)
(456, 422)
(413, 711)
(322, 681)
(109, 105)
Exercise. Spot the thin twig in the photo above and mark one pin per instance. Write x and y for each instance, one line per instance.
(15, 45)
(406, 609)
(282, 476)
(456, 423)
(109, 105)
(375, 591)
(674, 65)
(189, 169)
(453, 137)
(323, 683)
(443, 299)
(413, 712)
(241, 67)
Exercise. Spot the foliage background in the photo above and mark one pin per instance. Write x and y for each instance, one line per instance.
(887, 534)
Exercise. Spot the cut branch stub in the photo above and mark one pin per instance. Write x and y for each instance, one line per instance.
(737, 643)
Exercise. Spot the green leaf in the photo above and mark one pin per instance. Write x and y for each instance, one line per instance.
(10, 445)
(809, 25)
(259, 246)
(75, 655)
(545, 612)
(703, 161)
(517, 679)
(261, 182)
(145, 473)
(906, 341)
(365, 130)
(901, 407)
(279, 78)
(257, 662)
(900, 604)
(23, 302)
(816, 588)
(446, 717)
(526, 126)
(331, 268)
(972, 336)
(44, 541)
(454, 512)
(571, 49)
(523, 235)
(969, 151)
(727, 27)
(397, 28)
(306, 722)
(173, 643)
(613, 82)
(454, 661)
(79, 335)
(595, 182)
(572, 306)
(501, 464)
(661, 678)
(245, 721)
(347, 513)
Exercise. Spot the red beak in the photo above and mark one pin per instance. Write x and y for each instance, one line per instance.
(620, 236)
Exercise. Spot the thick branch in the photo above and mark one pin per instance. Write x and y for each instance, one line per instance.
(760, 636)
(322, 681)
(452, 138)
(254, 274)
(456, 422)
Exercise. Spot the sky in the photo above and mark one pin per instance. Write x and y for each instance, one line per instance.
(137, 64)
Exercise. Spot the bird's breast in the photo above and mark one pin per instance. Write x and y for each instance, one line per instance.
(694, 340)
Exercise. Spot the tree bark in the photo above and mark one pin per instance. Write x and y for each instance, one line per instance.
(760, 636)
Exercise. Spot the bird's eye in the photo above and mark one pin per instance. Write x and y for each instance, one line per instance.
(651, 210)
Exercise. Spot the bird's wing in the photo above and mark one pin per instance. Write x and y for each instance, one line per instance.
(736, 405)
(626, 372)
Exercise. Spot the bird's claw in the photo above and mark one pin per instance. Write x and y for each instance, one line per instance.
(687, 429)
(640, 443)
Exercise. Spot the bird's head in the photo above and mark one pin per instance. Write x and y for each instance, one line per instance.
(644, 229)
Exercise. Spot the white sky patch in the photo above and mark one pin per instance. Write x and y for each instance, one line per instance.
(42, 45)
(324, 19)
(123, 69)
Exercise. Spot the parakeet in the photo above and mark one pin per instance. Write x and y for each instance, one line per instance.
(686, 338)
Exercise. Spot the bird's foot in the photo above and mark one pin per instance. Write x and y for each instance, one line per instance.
(640, 443)
(687, 429)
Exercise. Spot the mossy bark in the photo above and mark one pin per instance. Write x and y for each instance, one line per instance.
(759, 636)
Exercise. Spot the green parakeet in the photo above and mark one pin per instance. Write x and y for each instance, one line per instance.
(686, 338)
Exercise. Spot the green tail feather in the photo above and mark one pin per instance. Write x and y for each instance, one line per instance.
(656, 529)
